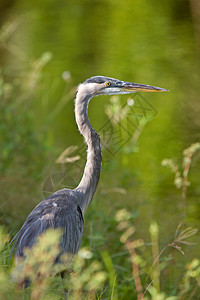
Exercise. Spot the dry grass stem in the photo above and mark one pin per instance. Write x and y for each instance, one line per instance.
(135, 268)
(64, 156)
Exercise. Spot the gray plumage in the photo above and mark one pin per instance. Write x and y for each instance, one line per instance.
(54, 212)
(65, 209)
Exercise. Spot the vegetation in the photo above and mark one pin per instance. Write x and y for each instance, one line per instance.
(141, 230)
(100, 274)
(94, 276)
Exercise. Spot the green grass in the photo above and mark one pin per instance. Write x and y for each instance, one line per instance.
(125, 274)
(117, 260)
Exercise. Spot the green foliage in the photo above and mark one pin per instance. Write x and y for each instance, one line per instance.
(181, 177)
(181, 180)
(147, 42)
(84, 273)
(19, 143)
(23, 149)
(96, 275)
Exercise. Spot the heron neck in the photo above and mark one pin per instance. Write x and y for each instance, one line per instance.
(90, 178)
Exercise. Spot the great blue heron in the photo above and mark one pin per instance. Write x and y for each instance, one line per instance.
(65, 208)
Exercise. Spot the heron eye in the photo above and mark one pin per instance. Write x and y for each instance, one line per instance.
(108, 83)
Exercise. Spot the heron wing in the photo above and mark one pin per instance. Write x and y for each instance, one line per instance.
(51, 213)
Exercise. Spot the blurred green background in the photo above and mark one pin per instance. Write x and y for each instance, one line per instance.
(149, 42)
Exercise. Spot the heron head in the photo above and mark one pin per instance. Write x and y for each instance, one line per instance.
(101, 85)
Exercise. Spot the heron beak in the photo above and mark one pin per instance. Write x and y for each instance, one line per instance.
(136, 87)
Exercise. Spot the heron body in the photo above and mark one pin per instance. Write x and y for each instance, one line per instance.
(65, 208)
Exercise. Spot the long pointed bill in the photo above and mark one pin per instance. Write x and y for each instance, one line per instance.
(136, 87)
